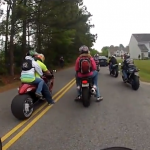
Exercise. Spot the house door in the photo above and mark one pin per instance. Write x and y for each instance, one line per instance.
(142, 55)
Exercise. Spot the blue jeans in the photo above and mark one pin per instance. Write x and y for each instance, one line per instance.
(110, 67)
(124, 72)
(39, 82)
(95, 80)
(46, 93)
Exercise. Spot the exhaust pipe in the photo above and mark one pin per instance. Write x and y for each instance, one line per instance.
(93, 91)
(78, 87)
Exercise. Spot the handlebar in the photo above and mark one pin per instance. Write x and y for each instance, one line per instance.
(49, 76)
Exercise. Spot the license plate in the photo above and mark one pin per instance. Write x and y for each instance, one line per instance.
(85, 85)
(102, 60)
(136, 73)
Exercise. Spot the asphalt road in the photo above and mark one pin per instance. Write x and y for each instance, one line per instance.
(121, 119)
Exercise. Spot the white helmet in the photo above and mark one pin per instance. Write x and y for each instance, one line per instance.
(84, 49)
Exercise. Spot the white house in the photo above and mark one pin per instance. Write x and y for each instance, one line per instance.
(119, 53)
(139, 45)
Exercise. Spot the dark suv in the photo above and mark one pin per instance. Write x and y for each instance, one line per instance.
(103, 61)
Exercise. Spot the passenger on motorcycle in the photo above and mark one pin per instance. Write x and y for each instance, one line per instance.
(112, 62)
(40, 60)
(29, 67)
(96, 57)
(86, 69)
(125, 65)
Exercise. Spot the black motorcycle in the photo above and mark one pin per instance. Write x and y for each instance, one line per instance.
(132, 77)
(87, 91)
(114, 70)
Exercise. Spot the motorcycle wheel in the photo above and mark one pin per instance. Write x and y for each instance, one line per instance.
(18, 106)
(86, 97)
(115, 73)
(135, 83)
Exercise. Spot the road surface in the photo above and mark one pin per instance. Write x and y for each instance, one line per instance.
(121, 119)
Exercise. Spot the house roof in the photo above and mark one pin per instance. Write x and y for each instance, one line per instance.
(142, 37)
(143, 48)
(112, 49)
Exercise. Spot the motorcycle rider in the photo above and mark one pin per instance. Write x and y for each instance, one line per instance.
(29, 67)
(96, 57)
(125, 65)
(61, 61)
(40, 58)
(112, 62)
(79, 68)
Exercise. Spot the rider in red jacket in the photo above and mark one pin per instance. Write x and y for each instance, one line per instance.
(84, 52)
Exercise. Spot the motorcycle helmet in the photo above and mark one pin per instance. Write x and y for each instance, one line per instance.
(40, 57)
(84, 49)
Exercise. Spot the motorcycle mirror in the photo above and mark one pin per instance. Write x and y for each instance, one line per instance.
(54, 71)
(119, 64)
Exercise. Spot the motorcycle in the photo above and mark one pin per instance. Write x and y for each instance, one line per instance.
(87, 91)
(22, 105)
(114, 70)
(132, 77)
(97, 65)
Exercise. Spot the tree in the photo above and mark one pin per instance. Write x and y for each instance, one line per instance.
(53, 28)
(121, 46)
(105, 51)
(94, 51)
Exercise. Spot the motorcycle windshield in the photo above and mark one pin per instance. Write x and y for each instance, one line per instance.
(131, 70)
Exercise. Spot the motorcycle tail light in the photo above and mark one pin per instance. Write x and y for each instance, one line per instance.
(84, 82)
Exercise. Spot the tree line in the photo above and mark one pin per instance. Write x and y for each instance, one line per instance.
(54, 28)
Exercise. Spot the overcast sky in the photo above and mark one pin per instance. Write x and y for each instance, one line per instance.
(116, 20)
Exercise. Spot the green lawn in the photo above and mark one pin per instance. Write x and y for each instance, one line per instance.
(144, 66)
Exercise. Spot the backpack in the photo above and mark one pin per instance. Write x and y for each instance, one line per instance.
(27, 65)
(85, 65)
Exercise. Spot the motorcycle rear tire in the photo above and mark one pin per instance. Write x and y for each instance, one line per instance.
(135, 83)
(86, 97)
(115, 73)
(17, 107)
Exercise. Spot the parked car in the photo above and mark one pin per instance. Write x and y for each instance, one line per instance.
(103, 61)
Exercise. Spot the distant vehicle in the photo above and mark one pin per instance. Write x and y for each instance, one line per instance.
(103, 61)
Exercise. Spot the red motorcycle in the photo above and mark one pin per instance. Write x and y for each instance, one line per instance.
(22, 105)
